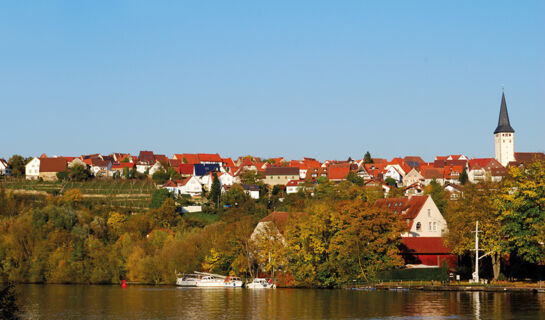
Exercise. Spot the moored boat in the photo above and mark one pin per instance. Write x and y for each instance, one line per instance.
(261, 283)
(234, 282)
(211, 282)
(187, 280)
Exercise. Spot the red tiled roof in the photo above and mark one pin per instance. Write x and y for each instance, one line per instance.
(407, 207)
(190, 158)
(338, 172)
(228, 162)
(433, 173)
(170, 183)
(293, 183)
(452, 172)
(95, 162)
(52, 164)
(281, 171)
(413, 159)
(209, 157)
(424, 245)
(186, 168)
(122, 165)
(161, 158)
(175, 162)
(146, 156)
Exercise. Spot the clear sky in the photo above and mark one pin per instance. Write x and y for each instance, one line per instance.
(324, 79)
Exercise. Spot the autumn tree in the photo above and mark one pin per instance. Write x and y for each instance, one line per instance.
(268, 247)
(367, 241)
(476, 203)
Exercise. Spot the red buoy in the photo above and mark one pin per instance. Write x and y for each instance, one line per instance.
(124, 284)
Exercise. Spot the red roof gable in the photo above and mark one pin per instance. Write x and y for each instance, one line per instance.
(407, 207)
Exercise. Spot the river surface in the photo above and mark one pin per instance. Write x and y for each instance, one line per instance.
(148, 302)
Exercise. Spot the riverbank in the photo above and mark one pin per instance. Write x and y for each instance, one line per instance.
(499, 287)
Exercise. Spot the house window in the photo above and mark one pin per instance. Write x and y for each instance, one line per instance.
(429, 213)
(418, 226)
(435, 226)
(429, 226)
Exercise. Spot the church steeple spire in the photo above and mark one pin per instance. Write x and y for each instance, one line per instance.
(503, 121)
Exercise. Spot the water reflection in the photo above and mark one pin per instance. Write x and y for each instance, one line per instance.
(146, 302)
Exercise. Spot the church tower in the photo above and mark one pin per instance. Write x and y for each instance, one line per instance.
(504, 136)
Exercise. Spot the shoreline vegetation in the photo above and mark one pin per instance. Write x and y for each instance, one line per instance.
(333, 237)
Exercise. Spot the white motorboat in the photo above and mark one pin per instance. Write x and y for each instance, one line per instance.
(234, 282)
(218, 281)
(261, 283)
(211, 282)
(187, 280)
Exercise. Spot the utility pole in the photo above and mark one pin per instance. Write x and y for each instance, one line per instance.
(476, 273)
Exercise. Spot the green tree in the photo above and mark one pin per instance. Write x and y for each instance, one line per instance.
(215, 190)
(395, 192)
(160, 176)
(367, 158)
(250, 177)
(354, 178)
(63, 175)
(391, 182)
(235, 196)
(463, 178)
(79, 172)
(521, 203)
(126, 173)
(17, 164)
(438, 194)
(322, 180)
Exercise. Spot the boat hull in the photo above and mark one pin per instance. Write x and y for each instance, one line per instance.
(186, 283)
(222, 284)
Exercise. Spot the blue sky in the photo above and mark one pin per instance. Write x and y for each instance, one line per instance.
(319, 79)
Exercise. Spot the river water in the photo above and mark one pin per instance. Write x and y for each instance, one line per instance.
(149, 302)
